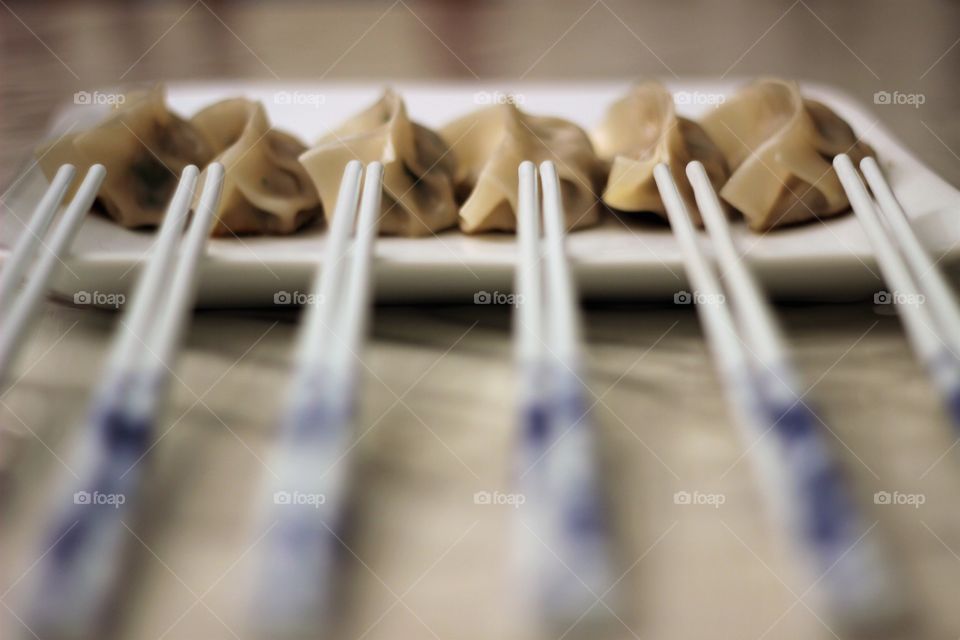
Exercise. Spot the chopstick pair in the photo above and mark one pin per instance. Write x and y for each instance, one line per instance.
(801, 476)
(921, 294)
(79, 575)
(564, 548)
(306, 514)
(19, 305)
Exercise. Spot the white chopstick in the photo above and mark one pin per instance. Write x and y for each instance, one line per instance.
(761, 331)
(18, 313)
(295, 589)
(169, 320)
(319, 315)
(146, 299)
(721, 330)
(79, 576)
(528, 304)
(931, 321)
(799, 472)
(563, 323)
(26, 246)
(940, 296)
(564, 536)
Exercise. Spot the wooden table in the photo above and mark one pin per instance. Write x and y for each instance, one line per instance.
(424, 560)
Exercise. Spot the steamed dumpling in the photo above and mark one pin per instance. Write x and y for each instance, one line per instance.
(492, 142)
(640, 131)
(144, 147)
(780, 147)
(265, 189)
(417, 167)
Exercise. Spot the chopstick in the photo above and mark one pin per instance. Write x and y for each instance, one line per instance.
(18, 312)
(721, 330)
(801, 477)
(79, 576)
(295, 589)
(565, 545)
(930, 314)
(26, 246)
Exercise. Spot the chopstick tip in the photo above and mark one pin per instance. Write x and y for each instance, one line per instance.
(375, 168)
(548, 168)
(695, 169)
(215, 169)
(66, 172)
(662, 170)
(842, 160)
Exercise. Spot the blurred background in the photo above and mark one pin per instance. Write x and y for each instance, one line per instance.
(428, 561)
(50, 49)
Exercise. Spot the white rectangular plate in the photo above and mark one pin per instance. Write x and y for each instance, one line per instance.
(619, 259)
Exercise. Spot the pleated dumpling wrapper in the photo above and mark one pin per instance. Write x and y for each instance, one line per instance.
(417, 167)
(265, 189)
(144, 147)
(492, 142)
(780, 147)
(640, 131)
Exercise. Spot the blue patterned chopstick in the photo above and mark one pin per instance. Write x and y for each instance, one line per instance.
(565, 550)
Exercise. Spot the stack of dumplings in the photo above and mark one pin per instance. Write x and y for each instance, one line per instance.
(767, 151)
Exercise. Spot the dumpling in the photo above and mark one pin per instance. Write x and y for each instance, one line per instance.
(492, 142)
(144, 147)
(640, 131)
(417, 167)
(265, 189)
(780, 147)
